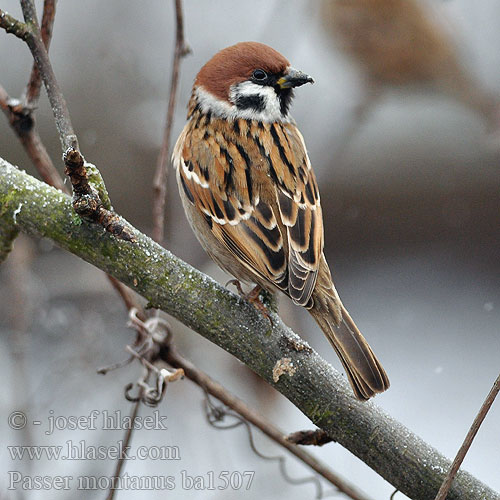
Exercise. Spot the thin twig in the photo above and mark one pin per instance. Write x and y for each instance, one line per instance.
(32, 92)
(485, 408)
(127, 297)
(20, 113)
(215, 389)
(22, 122)
(158, 206)
(13, 26)
(35, 148)
(41, 57)
(123, 456)
(160, 178)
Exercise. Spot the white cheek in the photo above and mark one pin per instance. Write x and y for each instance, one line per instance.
(210, 104)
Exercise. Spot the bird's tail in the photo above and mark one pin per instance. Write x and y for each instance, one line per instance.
(365, 373)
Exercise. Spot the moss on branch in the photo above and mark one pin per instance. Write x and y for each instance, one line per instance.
(8, 231)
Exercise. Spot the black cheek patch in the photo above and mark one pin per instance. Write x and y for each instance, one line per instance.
(255, 102)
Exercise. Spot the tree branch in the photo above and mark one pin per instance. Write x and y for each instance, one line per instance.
(160, 178)
(20, 112)
(13, 26)
(457, 462)
(22, 121)
(406, 461)
(57, 102)
(123, 456)
(33, 88)
(89, 201)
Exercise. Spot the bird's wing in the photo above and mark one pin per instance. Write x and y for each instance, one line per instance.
(300, 209)
(254, 184)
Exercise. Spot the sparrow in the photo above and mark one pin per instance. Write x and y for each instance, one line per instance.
(252, 199)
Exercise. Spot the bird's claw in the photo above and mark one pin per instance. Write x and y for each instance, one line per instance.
(253, 298)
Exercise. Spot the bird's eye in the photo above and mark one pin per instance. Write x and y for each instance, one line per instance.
(259, 74)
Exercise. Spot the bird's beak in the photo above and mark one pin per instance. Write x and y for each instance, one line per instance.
(293, 78)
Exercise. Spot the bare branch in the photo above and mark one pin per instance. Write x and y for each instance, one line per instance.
(22, 121)
(160, 178)
(127, 297)
(485, 408)
(41, 57)
(13, 25)
(33, 88)
(126, 442)
(20, 114)
(87, 202)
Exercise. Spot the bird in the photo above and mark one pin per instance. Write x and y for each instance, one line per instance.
(252, 199)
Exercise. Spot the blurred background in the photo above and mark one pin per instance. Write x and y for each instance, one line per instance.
(402, 130)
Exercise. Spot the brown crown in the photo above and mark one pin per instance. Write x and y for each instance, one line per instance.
(235, 64)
